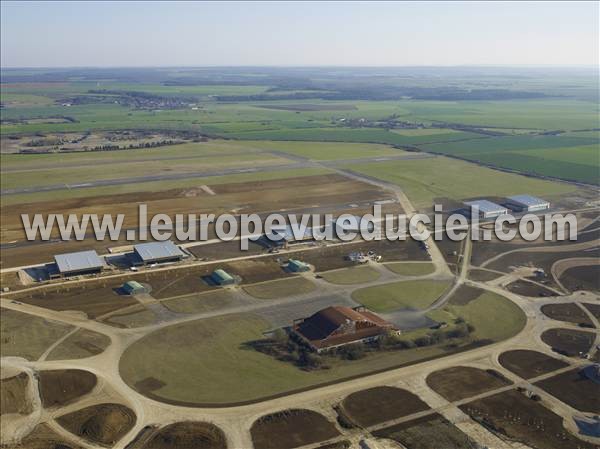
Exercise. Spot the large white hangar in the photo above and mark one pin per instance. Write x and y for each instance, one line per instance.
(487, 209)
(156, 252)
(81, 262)
(527, 203)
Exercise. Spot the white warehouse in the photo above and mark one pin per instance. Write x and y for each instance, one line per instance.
(527, 203)
(486, 208)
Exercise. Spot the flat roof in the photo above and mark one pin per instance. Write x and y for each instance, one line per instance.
(157, 250)
(485, 206)
(79, 261)
(528, 200)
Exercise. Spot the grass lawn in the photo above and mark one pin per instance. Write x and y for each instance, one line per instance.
(401, 295)
(157, 186)
(411, 268)
(280, 288)
(354, 275)
(28, 336)
(208, 361)
(206, 302)
(326, 151)
(425, 180)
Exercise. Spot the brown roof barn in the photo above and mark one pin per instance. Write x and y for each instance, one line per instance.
(339, 325)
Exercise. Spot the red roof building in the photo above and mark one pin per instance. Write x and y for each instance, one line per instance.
(338, 325)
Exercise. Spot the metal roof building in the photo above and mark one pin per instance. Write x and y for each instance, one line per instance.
(486, 208)
(297, 266)
(82, 262)
(221, 277)
(155, 252)
(528, 203)
(133, 288)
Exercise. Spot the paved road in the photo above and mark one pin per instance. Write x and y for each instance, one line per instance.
(296, 163)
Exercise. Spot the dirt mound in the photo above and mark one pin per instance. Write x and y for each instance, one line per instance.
(187, 435)
(60, 387)
(288, 429)
(101, 424)
(13, 395)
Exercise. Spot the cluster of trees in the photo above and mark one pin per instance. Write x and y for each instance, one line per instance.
(393, 341)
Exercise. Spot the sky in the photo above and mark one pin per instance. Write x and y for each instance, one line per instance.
(120, 34)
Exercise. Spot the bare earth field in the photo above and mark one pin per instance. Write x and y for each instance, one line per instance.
(61, 387)
(14, 397)
(103, 424)
(380, 404)
(44, 437)
(461, 382)
(570, 313)
(288, 429)
(512, 415)
(528, 364)
(431, 431)
(186, 435)
(575, 389)
(569, 342)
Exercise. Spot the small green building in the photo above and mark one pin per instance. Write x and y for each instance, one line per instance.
(133, 288)
(297, 266)
(221, 277)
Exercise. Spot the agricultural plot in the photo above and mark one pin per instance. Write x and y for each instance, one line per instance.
(568, 312)
(426, 181)
(582, 278)
(567, 157)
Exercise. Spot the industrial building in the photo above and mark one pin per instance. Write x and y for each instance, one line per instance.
(156, 252)
(297, 266)
(133, 288)
(284, 236)
(79, 263)
(486, 208)
(352, 223)
(527, 203)
(221, 277)
(337, 326)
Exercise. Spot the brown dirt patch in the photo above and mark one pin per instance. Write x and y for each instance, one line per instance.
(14, 396)
(288, 429)
(568, 312)
(465, 294)
(575, 389)
(462, 382)
(582, 278)
(528, 364)
(380, 404)
(187, 435)
(593, 308)
(526, 288)
(43, 437)
(569, 342)
(483, 275)
(514, 416)
(431, 431)
(60, 387)
(103, 424)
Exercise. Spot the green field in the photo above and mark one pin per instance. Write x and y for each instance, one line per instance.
(426, 180)
(569, 157)
(401, 295)
(280, 288)
(354, 275)
(411, 268)
(185, 358)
